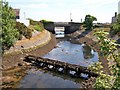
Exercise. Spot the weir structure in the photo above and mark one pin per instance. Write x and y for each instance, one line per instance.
(62, 67)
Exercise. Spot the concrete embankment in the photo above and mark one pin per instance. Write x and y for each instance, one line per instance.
(38, 45)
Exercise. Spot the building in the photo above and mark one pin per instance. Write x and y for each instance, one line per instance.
(114, 18)
(17, 12)
(119, 7)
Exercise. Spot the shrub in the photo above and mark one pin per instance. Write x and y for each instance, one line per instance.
(38, 27)
(23, 30)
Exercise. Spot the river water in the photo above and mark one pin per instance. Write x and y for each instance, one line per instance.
(66, 51)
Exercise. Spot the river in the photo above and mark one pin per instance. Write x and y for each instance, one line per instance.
(66, 51)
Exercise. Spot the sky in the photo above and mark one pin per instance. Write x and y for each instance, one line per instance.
(59, 10)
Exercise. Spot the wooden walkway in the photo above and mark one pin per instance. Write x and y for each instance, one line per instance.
(59, 66)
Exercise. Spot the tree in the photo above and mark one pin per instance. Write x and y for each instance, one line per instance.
(9, 32)
(88, 23)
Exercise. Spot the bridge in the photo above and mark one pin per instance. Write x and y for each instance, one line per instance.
(59, 66)
(70, 27)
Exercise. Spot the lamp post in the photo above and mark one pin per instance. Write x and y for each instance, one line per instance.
(70, 17)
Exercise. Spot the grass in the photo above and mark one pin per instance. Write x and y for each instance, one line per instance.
(38, 27)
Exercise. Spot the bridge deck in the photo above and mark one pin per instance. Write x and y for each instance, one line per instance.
(57, 65)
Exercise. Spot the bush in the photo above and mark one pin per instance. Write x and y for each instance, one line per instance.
(115, 29)
(38, 27)
(23, 30)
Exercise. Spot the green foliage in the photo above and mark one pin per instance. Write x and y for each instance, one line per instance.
(88, 23)
(103, 81)
(32, 22)
(23, 30)
(108, 47)
(96, 67)
(45, 21)
(9, 32)
(115, 28)
(38, 27)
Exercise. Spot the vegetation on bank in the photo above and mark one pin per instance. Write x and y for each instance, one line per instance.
(12, 30)
(9, 32)
(109, 49)
(37, 25)
(23, 31)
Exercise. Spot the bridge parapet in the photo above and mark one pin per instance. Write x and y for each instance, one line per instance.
(61, 24)
(70, 27)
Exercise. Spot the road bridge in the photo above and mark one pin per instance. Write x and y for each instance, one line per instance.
(70, 27)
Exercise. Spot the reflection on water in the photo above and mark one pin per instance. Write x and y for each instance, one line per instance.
(87, 52)
(44, 79)
(67, 52)
(73, 53)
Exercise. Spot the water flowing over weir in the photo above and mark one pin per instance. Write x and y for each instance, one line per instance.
(66, 52)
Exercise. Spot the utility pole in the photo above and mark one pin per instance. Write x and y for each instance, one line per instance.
(24, 16)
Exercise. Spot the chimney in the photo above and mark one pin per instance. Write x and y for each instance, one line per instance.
(115, 14)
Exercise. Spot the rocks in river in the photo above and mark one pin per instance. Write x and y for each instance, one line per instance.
(77, 50)
(62, 49)
(20, 64)
(55, 46)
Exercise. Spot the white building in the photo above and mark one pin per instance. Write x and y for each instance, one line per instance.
(119, 7)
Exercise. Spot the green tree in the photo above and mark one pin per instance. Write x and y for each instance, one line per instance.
(9, 32)
(88, 23)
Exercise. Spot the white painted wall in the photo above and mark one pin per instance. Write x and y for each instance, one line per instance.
(26, 22)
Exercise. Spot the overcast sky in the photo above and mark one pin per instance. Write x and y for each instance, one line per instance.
(59, 10)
